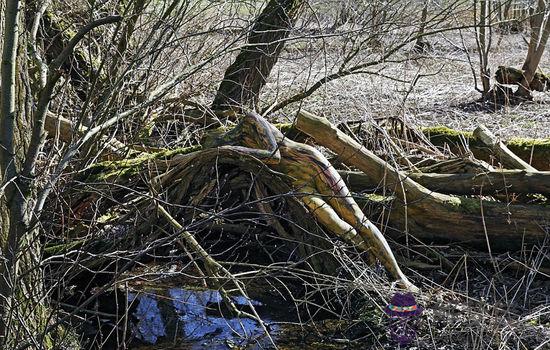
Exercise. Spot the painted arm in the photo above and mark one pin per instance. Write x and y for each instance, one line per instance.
(258, 139)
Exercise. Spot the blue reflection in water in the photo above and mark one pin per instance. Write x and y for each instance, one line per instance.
(191, 309)
(150, 326)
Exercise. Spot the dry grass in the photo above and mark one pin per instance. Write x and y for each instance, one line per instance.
(443, 95)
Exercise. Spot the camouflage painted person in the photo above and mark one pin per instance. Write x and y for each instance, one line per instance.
(324, 191)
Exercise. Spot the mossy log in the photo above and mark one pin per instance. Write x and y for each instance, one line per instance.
(488, 183)
(430, 215)
(419, 210)
(535, 152)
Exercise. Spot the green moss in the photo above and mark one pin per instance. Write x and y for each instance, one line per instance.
(453, 202)
(109, 216)
(373, 197)
(470, 205)
(527, 144)
(537, 322)
(445, 131)
(59, 23)
(284, 127)
(125, 168)
(464, 205)
(62, 248)
(441, 135)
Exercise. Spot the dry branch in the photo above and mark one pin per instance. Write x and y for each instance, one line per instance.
(506, 157)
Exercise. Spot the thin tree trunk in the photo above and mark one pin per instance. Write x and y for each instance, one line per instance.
(11, 205)
(244, 79)
(483, 39)
(420, 44)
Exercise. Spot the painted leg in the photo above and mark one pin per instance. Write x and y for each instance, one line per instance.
(352, 214)
(323, 212)
(345, 206)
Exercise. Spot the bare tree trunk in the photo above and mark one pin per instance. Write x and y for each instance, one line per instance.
(540, 30)
(244, 79)
(483, 40)
(420, 44)
(24, 103)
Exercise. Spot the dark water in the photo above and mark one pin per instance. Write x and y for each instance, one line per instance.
(196, 317)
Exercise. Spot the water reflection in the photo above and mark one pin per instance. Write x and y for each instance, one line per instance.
(196, 317)
(150, 326)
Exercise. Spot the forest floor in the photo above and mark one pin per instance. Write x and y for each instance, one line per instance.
(487, 300)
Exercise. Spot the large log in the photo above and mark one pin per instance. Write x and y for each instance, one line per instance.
(431, 215)
(489, 183)
(535, 152)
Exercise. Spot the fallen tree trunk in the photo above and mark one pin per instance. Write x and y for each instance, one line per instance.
(493, 182)
(418, 210)
(431, 215)
(65, 130)
(535, 152)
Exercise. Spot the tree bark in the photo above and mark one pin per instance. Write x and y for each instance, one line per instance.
(244, 79)
(489, 183)
(14, 199)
